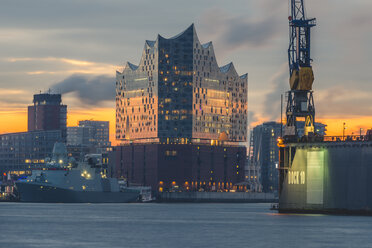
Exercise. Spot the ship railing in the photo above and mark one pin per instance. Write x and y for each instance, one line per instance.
(347, 138)
(316, 139)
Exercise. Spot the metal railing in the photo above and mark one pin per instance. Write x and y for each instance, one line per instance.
(316, 139)
(347, 138)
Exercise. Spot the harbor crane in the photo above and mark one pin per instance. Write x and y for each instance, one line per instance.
(300, 101)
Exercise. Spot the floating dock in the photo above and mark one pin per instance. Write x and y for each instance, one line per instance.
(332, 176)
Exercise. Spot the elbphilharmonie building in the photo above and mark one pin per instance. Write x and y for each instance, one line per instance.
(176, 103)
(179, 94)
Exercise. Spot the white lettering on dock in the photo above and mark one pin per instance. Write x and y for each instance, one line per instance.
(296, 177)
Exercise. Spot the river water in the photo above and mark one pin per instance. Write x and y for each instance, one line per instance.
(174, 225)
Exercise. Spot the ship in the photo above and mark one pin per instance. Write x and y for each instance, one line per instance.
(64, 180)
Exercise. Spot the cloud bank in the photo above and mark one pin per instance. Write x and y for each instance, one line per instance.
(89, 90)
(278, 85)
(235, 32)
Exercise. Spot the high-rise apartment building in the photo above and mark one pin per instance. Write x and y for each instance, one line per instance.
(180, 117)
(47, 113)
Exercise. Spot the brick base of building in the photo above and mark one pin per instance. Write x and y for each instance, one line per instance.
(173, 167)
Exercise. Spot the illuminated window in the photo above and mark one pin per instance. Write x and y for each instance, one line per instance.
(170, 153)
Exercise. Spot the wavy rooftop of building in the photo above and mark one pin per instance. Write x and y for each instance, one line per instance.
(179, 95)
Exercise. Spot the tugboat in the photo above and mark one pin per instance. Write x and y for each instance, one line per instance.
(63, 180)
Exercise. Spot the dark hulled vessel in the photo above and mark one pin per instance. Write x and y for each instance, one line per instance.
(65, 181)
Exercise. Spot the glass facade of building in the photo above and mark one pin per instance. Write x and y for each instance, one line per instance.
(178, 94)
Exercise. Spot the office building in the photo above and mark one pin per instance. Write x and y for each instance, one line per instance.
(47, 113)
(89, 137)
(78, 135)
(26, 150)
(99, 132)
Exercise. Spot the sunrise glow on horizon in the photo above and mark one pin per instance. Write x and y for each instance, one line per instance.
(16, 121)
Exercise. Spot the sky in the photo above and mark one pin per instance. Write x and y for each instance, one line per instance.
(74, 47)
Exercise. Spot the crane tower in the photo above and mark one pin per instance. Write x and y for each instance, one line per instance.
(300, 102)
